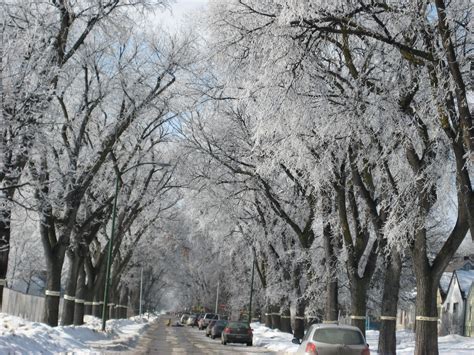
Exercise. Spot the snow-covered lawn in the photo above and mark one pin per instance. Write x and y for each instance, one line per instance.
(448, 345)
(281, 342)
(20, 336)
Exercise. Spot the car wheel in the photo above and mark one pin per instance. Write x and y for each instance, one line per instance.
(249, 344)
(213, 336)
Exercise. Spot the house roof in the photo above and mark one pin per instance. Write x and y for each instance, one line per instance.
(444, 282)
(465, 280)
(460, 262)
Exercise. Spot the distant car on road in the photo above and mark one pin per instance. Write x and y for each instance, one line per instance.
(184, 318)
(191, 320)
(237, 332)
(328, 339)
(204, 321)
(216, 330)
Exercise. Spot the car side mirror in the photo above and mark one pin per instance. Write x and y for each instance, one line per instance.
(296, 341)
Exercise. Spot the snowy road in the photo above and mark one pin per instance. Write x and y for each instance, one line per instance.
(160, 339)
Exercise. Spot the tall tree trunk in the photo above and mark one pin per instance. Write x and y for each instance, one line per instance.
(299, 318)
(98, 299)
(88, 297)
(69, 303)
(5, 232)
(331, 306)
(285, 317)
(426, 327)
(359, 288)
(80, 295)
(89, 286)
(387, 338)
(123, 302)
(112, 302)
(268, 311)
(276, 321)
(54, 267)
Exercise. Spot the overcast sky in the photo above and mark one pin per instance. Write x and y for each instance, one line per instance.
(180, 8)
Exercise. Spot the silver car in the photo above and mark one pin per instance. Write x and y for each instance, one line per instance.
(332, 339)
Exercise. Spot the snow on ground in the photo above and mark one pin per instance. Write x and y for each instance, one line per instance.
(272, 339)
(448, 345)
(20, 336)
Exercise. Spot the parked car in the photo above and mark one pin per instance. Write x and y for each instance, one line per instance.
(191, 320)
(237, 332)
(184, 318)
(209, 327)
(196, 321)
(325, 339)
(204, 321)
(217, 329)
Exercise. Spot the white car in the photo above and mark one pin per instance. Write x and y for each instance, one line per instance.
(204, 321)
(329, 339)
(184, 318)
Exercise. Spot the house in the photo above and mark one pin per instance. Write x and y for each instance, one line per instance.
(406, 310)
(455, 306)
(469, 322)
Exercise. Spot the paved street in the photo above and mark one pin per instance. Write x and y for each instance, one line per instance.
(160, 339)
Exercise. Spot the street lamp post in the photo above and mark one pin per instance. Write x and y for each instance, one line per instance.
(251, 290)
(109, 256)
(112, 235)
(141, 291)
(217, 297)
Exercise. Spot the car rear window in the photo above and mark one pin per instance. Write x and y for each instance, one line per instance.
(209, 316)
(238, 325)
(338, 336)
(221, 322)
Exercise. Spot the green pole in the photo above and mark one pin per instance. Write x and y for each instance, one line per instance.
(109, 256)
(251, 290)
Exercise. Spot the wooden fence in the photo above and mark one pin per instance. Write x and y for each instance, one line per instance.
(26, 306)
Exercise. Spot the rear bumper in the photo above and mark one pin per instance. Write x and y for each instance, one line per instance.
(237, 339)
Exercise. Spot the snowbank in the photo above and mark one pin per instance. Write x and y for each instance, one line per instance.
(272, 339)
(20, 336)
(281, 342)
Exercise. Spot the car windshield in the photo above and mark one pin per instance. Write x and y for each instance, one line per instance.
(338, 336)
(238, 325)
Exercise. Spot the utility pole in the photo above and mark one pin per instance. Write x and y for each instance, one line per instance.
(109, 256)
(251, 290)
(217, 297)
(141, 290)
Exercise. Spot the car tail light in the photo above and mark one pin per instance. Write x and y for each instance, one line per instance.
(366, 351)
(311, 349)
(227, 330)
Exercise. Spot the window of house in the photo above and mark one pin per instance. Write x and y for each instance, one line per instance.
(455, 307)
